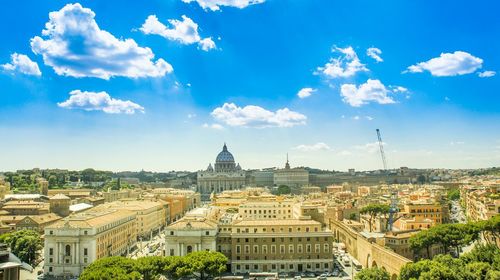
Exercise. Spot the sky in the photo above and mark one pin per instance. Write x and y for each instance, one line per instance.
(124, 85)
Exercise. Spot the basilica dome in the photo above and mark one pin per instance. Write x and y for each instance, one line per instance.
(224, 156)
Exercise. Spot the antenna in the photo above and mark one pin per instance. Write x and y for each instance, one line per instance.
(382, 154)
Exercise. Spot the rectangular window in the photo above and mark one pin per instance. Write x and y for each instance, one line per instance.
(264, 249)
(238, 249)
(51, 251)
(290, 249)
(317, 248)
(282, 249)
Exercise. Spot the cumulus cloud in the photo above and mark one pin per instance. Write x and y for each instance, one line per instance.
(74, 45)
(371, 91)
(448, 64)
(320, 146)
(215, 126)
(23, 64)
(346, 65)
(255, 116)
(215, 5)
(99, 101)
(305, 92)
(486, 74)
(184, 31)
(375, 54)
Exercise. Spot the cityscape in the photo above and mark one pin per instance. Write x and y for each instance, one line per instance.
(249, 140)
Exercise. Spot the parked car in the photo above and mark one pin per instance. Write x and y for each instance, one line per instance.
(321, 278)
(298, 277)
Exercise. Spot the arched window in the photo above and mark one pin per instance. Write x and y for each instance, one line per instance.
(189, 249)
(68, 250)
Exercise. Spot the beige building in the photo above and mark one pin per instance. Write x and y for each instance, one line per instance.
(196, 231)
(225, 175)
(37, 222)
(76, 241)
(4, 188)
(295, 178)
(278, 246)
(151, 215)
(26, 207)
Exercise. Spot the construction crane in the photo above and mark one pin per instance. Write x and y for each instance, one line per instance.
(381, 145)
(393, 210)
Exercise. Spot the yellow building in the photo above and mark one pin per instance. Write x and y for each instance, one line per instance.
(151, 215)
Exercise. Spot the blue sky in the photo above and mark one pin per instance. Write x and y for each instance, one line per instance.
(120, 85)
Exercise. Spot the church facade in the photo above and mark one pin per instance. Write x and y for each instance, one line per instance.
(224, 175)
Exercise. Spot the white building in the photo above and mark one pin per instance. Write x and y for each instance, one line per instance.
(76, 241)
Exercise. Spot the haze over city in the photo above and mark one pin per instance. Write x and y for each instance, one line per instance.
(119, 85)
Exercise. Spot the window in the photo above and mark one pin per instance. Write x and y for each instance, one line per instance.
(85, 251)
(290, 249)
(171, 252)
(67, 250)
(50, 269)
(273, 249)
(51, 251)
(282, 249)
(171, 233)
(207, 233)
(317, 248)
(247, 249)
(51, 260)
(238, 249)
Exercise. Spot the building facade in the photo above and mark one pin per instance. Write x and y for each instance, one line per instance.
(224, 175)
(76, 241)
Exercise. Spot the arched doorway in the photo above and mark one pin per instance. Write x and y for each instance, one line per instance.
(189, 249)
(368, 260)
(374, 264)
(394, 277)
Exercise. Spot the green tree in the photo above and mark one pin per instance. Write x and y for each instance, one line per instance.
(454, 194)
(203, 264)
(373, 273)
(25, 244)
(374, 210)
(490, 227)
(353, 216)
(112, 268)
(284, 189)
(422, 240)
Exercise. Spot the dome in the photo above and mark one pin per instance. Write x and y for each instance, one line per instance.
(224, 156)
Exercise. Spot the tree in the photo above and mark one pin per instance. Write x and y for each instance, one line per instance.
(455, 235)
(491, 227)
(25, 244)
(422, 240)
(454, 194)
(373, 273)
(284, 189)
(112, 268)
(203, 264)
(374, 210)
(483, 262)
(353, 216)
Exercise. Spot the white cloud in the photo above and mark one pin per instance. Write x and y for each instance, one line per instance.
(486, 74)
(215, 5)
(190, 116)
(305, 92)
(371, 91)
(453, 143)
(99, 101)
(184, 31)
(356, 118)
(255, 116)
(215, 126)
(369, 118)
(344, 153)
(74, 45)
(375, 54)
(320, 146)
(448, 64)
(399, 89)
(23, 64)
(344, 66)
(370, 148)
